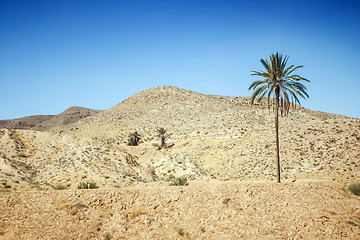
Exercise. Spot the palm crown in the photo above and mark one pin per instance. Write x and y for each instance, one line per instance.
(161, 131)
(162, 134)
(279, 82)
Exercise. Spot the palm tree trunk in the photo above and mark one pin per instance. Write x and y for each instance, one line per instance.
(277, 137)
(162, 141)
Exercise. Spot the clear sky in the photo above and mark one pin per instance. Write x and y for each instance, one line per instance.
(95, 54)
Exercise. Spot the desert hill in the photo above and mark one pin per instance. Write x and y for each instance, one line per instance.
(69, 116)
(223, 145)
(24, 122)
(46, 122)
(213, 137)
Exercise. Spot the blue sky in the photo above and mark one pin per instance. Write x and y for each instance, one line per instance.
(95, 54)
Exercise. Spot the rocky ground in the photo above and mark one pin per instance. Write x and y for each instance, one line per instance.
(219, 143)
(202, 210)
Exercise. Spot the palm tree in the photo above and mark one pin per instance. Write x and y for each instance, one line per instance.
(280, 86)
(162, 135)
(134, 138)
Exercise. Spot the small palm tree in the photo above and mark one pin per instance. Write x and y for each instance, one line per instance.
(162, 134)
(134, 138)
(280, 85)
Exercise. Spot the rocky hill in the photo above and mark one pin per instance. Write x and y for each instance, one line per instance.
(46, 122)
(223, 145)
(25, 122)
(69, 116)
(212, 137)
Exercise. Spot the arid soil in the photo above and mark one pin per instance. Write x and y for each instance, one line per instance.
(202, 210)
(224, 145)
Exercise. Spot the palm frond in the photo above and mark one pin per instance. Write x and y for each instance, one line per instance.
(258, 91)
(283, 64)
(265, 63)
(293, 69)
(261, 74)
(297, 78)
(287, 70)
(255, 84)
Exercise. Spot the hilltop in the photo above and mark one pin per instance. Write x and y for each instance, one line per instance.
(223, 145)
(24, 122)
(69, 116)
(213, 137)
(46, 122)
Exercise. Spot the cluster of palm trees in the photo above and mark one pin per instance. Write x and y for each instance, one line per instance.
(134, 137)
(281, 88)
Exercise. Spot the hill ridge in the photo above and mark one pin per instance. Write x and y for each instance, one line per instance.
(45, 122)
(212, 136)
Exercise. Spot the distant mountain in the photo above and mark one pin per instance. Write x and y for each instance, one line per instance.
(46, 122)
(69, 116)
(24, 122)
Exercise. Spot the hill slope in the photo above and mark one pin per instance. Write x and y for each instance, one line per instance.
(25, 122)
(214, 137)
(46, 122)
(69, 116)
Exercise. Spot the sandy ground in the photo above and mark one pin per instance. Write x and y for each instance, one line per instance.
(202, 210)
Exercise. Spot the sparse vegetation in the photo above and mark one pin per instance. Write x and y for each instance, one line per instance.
(355, 189)
(181, 231)
(226, 201)
(60, 187)
(23, 155)
(107, 236)
(134, 138)
(87, 185)
(180, 181)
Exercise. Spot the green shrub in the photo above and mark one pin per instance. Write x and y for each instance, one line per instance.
(60, 187)
(355, 189)
(134, 139)
(181, 231)
(107, 236)
(23, 155)
(180, 181)
(87, 185)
